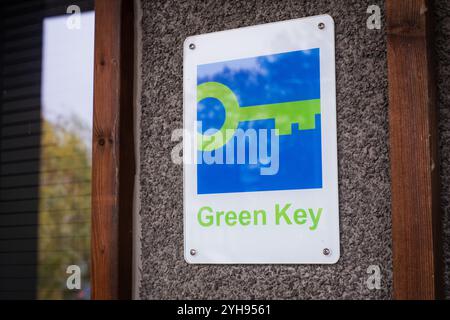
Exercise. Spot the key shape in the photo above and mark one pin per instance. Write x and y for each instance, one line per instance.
(285, 114)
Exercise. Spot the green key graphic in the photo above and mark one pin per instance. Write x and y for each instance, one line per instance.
(285, 114)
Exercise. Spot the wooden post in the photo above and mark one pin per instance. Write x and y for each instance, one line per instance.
(113, 150)
(413, 151)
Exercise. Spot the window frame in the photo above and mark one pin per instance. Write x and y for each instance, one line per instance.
(113, 165)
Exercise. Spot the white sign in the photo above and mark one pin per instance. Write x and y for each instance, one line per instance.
(260, 154)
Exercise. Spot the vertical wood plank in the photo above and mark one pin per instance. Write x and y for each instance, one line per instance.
(413, 151)
(113, 151)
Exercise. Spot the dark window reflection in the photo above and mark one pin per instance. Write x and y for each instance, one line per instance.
(46, 81)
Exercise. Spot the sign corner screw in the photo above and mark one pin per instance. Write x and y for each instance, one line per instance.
(321, 25)
(192, 46)
(326, 252)
(193, 252)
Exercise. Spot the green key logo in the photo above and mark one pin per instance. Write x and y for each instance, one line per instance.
(259, 123)
(285, 114)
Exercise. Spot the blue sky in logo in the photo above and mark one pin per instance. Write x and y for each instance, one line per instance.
(285, 77)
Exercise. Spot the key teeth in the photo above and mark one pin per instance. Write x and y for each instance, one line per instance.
(310, 124)
(284, 130)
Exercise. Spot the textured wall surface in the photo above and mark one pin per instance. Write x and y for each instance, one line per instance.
(362, 150)
(442, 50)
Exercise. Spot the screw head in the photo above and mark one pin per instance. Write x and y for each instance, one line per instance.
(321, 25)
(192, 46)
(193, 252)
(326, 252)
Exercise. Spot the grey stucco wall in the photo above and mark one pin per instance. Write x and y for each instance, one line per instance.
(442, 54)
(362, 150)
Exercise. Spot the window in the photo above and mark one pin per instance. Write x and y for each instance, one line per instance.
(46, 81)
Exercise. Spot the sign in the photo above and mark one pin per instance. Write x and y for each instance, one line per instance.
(260, 154)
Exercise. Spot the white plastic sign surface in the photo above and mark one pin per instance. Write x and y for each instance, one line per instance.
(260, 154)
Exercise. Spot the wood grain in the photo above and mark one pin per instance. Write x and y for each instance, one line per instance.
(113, 151)
(413, 151)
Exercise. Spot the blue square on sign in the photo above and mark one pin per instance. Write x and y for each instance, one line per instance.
(274, 92)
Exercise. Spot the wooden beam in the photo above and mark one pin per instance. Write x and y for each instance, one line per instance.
(413, 151)
(113, 151)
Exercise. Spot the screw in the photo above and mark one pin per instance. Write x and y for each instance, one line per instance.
(321, 26)
(326, 252)
(193, 252)
(192, 46)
